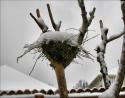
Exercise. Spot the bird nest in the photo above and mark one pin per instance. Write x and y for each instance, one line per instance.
(60, 47)
(60, 52)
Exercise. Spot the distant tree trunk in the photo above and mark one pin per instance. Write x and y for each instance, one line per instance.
(60, 74)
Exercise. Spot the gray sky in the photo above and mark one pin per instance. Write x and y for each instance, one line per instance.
(18, 28)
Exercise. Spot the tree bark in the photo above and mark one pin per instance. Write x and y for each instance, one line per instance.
(101, 49)
(121, 72)
(55, 26)
(85, 21)
(114, 90)
(60, 74)
(101, 55)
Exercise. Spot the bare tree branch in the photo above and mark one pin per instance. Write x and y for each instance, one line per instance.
(100, 55)
(113, 37)
(91, 15)
(101, 51)
(114, 90)
(91, 38)
(40, 55)
(83, 12)
(38, 13)
(40, 22)
(85, 21)
(116, 87)
(55, 26)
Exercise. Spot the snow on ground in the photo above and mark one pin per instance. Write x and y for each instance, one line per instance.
(87, 94)
(11, 79)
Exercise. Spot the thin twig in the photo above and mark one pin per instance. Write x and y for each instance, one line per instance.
(91, 38)
(113, 37)
(35, 64)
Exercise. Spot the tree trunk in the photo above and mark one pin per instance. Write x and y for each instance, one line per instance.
(59, 70)
(121, 72)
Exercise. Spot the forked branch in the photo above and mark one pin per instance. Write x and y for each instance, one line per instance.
(114, 90)
(101, 51)
(113, 37)
(55, 26)
(40, 22)
(85, 21)
(100, 55)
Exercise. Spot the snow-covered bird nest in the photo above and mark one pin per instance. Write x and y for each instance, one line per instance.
(58, 46)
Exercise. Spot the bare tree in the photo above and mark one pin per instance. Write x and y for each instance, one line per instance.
(59, 54)
(114, 89)
(101, 51)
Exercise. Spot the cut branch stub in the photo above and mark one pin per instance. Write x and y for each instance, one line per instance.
(38, 13)
(40, 22)
(55, 26)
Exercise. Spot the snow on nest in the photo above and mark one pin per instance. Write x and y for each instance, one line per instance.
(55, 36)
(59, 36)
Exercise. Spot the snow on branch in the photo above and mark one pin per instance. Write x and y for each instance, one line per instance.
(101, 51)
(40, 22)
(55, 26)
(113, 37)
(85, 21)
(100, 55)
(114, 89)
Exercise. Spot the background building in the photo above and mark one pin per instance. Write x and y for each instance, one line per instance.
(98, 81)
(82, 84)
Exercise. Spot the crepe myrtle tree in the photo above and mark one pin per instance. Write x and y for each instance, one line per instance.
(60, 48)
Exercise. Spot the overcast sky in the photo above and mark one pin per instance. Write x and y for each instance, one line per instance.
(18, 28)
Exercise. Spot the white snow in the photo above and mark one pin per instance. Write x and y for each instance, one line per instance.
(59, 36)
(108, 93)
(11, 79)
(70, 39)
(18, 96)
(87, 94)
(40, 20)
